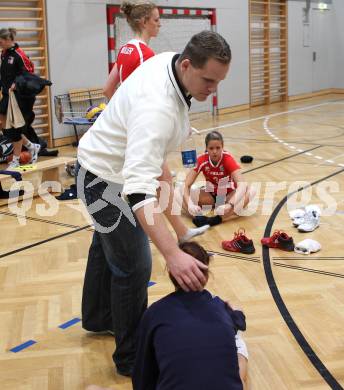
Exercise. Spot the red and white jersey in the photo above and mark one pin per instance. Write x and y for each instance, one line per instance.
(132, 55)
(219, 175)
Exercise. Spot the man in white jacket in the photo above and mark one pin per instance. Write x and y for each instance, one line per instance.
(121, 157)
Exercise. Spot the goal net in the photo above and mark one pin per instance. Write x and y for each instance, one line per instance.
(175, 32)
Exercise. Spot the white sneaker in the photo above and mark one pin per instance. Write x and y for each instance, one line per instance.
(310, 222)
(298, 221)
(313, 207)
(13, 165)
(34, 153)
(307, 246)
(297, 213)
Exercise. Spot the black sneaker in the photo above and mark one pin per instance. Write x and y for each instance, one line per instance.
(202, 220)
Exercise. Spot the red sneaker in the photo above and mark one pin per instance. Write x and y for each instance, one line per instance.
(240, 243)
(279, 240)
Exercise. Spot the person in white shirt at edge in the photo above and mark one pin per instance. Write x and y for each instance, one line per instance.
(122, 155)
(144, 19)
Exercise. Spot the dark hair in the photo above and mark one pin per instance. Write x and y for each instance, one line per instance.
(213, 136)
(8, 33)
(206, 45)
(135, 11)
(198, 252)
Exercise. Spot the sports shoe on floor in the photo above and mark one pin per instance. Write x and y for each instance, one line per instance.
(310, 222)
(307, 246)
(297, 213)
(201, 220)
(279, 240)
(240, 243)
(34, 153)
(298, 221)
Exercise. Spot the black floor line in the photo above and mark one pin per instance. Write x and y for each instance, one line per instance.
(290, 141)
(43, 241)
(39, 220)
(282, 159)
(310, 258)
(303, 343)
(316, 271)
(254, 259)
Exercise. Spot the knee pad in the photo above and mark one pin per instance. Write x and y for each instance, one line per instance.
(13, 135)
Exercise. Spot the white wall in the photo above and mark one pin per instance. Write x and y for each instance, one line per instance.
(77, 44)
(78, 54)
(299, 57)
(338, 40)
(303, 73)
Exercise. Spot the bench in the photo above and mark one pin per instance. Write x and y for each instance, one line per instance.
(50, 170)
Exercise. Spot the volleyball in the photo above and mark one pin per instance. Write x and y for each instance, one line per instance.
(94, 111)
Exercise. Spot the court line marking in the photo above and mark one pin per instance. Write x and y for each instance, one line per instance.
(231, 124)
(281, 141)
(288, 319)
(43, 241)
(305, 269)
(22, 346)
(70, 323)
(270, 133)
(254, 259)
(7, 213)
(281, 159)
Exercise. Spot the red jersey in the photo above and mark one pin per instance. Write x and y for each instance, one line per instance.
(218, 175)
(132, 55)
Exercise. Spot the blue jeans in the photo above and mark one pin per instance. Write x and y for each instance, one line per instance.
(118, 269)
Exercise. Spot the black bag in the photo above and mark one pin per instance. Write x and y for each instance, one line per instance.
(30, 85)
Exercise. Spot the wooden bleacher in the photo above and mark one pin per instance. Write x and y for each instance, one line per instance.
(44, 171)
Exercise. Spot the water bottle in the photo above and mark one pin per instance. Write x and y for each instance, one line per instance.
(189, 155)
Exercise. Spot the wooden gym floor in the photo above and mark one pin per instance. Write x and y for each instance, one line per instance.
(294, 304)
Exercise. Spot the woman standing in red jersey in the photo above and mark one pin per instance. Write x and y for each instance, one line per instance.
(144, 20)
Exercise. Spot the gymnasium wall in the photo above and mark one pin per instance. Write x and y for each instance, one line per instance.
(338, 41)
(78, 54)
(325, 36)
(299, 57)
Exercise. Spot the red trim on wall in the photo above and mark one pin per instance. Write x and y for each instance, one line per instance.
(111, 43)
(213, 18)
(111, 11)
(214, 100)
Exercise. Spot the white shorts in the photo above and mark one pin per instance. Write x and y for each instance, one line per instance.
(241, 346)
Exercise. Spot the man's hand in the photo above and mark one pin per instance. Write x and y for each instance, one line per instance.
(12, 87)
(187, 271)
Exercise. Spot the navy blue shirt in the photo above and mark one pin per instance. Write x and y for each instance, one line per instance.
(187, 342)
